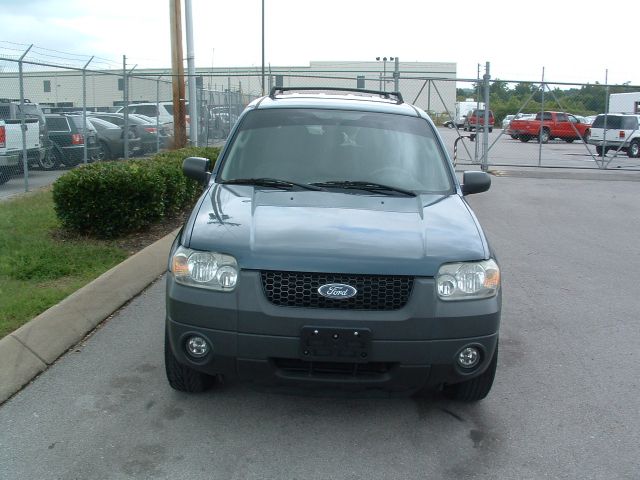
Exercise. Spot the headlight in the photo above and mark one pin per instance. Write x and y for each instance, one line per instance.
(469, 280)
(213, 271)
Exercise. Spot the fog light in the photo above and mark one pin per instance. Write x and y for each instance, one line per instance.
(197, 347)
(468, 357)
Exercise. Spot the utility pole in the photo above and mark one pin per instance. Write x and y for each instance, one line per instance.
(191, 70)
(177, 68)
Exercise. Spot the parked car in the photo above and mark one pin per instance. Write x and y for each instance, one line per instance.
(520, 116)
(147, 132)
(11, 160)
(475, 121)
(10, 110)
(163, 110)
(111, 139)
(333, 246)
(622, 133)
(68, 141)
(550, 125)
(506, 121)
(36, 145)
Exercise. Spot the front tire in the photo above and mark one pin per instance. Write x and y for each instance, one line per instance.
(49, 162)
(477, 388)
(634, 149)
(103, 152)
(525, 138)
(182, 377)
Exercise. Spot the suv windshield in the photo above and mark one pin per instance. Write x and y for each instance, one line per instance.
(317, 146)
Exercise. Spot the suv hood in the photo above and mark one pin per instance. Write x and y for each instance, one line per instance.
(268, 229)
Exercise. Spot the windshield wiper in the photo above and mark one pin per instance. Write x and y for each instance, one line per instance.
(271, 182)
(366, 186)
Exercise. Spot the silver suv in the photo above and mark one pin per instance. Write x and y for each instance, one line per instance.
(622, 134)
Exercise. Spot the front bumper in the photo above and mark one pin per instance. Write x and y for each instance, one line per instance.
(254, 340)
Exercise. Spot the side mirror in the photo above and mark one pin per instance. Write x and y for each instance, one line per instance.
(475, 182)
(197, 168)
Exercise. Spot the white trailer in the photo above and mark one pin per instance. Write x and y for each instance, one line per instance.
(464, 108)
(624, 103)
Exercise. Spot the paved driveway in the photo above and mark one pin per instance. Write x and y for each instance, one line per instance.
(565, 403)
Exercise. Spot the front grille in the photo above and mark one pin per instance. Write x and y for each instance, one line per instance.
(292, 366)
(300, 289)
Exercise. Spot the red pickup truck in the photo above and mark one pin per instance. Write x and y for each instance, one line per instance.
(553, 125)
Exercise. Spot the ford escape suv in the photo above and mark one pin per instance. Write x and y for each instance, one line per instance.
(333, 247)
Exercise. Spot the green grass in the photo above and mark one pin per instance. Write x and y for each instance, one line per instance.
(37, 270)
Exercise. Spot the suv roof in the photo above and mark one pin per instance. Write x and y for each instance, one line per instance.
(330, 98)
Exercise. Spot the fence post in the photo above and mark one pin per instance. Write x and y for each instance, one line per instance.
(606, 115)
(429, 98)
(485, 131)
(84, 109)
(396, 75)
(125, 106)
(542, 86)
(158, 114)
(23, 125)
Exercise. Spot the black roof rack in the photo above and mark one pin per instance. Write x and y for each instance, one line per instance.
(386, 95)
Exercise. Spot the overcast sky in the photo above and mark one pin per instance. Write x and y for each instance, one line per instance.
(561, 36)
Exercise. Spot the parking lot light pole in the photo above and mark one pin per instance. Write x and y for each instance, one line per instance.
(84, 109)
(384, 69)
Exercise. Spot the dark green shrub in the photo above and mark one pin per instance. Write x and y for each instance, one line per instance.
(109, 199)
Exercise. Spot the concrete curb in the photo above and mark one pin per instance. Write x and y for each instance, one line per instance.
(33, 347)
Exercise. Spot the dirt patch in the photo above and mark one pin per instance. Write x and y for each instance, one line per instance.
(133, 242)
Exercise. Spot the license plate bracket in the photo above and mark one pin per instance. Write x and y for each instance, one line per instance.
(329, 344)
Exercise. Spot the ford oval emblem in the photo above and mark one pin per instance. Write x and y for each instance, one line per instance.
(337, 290)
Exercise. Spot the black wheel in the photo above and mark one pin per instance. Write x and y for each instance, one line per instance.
(544, 136)
(634, 149)
(569, 140)
(490, 129)
(4, 176)
(50, 160)
(477, 388)
(599, 150)
(55, 157)
(585, 137)
(181, 377)
(515, 137)
(524, 138)
(102, 153)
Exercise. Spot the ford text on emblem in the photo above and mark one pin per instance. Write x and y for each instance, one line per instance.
(337, 290)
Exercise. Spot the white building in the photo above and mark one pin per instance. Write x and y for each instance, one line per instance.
(430, 85)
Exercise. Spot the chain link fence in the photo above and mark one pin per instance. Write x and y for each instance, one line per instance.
(55, 117)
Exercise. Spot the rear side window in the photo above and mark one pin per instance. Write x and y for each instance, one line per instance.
(57, 124)
(148, 110)
(629, 123)
(5, 112)
(616, 122)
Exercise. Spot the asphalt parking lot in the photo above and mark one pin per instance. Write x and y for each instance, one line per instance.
(508, 152)
(565, 402)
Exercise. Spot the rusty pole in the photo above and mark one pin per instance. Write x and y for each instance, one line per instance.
(177, 66)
